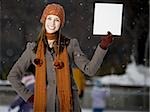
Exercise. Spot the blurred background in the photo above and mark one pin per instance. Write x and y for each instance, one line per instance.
(125, 69)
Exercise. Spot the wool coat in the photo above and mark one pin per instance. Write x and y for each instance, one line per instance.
(76, 56)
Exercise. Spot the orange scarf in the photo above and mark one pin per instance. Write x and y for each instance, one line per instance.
(40, 80)
(51, 36)
(63, 81)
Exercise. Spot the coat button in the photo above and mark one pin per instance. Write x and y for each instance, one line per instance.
(54, 81)
(53, 70)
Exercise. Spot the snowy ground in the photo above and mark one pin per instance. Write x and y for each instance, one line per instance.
(5, 109)
(136, 75)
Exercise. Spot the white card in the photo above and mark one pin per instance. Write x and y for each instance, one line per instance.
(107, 17)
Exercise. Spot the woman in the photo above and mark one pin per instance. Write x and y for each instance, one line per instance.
(52, 55)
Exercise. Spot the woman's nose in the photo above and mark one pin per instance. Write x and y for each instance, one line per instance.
(53, 22)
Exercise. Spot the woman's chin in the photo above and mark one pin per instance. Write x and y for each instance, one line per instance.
(51, 31)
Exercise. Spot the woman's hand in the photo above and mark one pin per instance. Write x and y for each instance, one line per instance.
(106, 41)
(31, 99)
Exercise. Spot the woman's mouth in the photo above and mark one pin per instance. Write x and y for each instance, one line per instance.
(51, 27)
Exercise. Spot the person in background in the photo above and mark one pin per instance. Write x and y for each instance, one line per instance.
(28, 81)
(79, 80)
(99, 96)
(52, 54)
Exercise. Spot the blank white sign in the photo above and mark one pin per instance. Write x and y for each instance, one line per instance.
(107, 17)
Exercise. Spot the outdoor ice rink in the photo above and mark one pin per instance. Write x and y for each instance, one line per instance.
(5, 109)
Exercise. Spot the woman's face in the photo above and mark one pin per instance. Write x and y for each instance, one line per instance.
(52, 23)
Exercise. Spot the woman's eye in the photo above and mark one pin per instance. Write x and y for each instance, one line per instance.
(57, 20)
(49, 18)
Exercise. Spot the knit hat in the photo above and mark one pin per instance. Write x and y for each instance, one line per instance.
(54, 9)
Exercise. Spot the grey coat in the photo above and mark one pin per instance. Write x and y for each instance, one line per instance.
(75, 55)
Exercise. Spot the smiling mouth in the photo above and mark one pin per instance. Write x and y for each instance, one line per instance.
(51, 27)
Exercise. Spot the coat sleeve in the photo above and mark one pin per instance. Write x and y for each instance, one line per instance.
(89, 67)
(17, 72)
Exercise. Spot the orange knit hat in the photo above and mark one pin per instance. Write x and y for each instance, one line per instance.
(54, 9)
